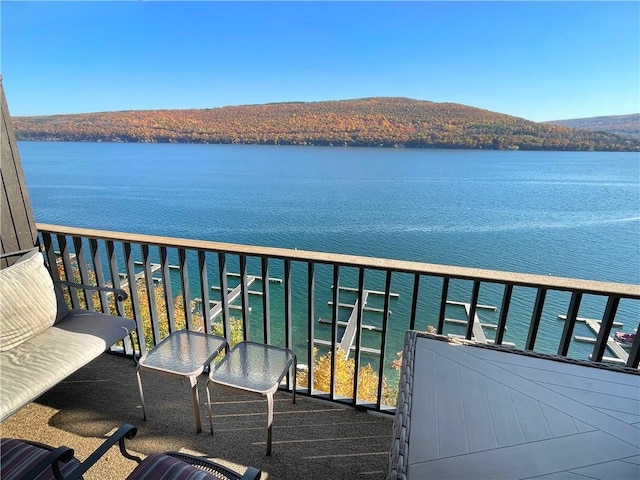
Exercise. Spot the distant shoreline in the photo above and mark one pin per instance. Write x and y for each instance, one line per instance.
(319, 144)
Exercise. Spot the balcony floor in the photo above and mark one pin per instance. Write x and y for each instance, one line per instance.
(311, 439)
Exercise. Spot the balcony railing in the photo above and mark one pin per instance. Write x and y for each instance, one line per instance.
(194, 284)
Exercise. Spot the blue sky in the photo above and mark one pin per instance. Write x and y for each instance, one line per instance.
(537, 60)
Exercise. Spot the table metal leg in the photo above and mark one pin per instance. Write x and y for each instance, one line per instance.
(269, 421)
(144, 410)
(209, 407)
(196, 402)
(295, 377)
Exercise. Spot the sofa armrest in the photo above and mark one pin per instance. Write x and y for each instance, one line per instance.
(119, 293)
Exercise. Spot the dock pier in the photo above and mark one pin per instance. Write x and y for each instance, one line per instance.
(478, 327)
(233, 294)
(350, 326)
(620, 354)
(154, 268)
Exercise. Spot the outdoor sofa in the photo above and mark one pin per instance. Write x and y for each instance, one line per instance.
(42, 342)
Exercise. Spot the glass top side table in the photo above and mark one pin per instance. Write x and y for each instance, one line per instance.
(182, 354)
(254, 368)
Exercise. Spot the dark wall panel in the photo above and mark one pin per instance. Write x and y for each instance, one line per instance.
(17, 225)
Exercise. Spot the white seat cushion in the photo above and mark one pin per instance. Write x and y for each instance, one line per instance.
(38, 364)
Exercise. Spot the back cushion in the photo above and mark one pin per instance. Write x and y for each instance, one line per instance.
(27, 300)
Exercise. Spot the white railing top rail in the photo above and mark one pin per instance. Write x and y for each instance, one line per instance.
(492, 276)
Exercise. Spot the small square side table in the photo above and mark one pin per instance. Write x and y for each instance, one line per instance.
(254, 368)
(182, 354)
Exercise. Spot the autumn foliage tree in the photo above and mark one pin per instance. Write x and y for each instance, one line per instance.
(368, 380)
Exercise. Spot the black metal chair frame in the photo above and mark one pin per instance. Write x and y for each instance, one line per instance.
(126, 431)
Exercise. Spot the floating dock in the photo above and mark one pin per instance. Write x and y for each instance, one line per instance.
(374, 292)
(233, 294)
(620, 354)
(349, 334)
(478, 327)
(372, 328)
(154, 268)
(257, 277)
(366, 309)
(583, 319)
(327, 343)
(350, 326)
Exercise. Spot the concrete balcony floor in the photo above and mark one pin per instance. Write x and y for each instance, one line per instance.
(311, 439)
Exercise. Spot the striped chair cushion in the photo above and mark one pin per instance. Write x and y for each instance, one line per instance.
(163, 467)
(18, 457)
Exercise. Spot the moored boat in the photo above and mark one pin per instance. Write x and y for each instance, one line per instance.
(625, 338)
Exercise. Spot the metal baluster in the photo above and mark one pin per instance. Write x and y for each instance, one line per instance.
(443, 305)
(186, 287)
(134, 298)
(244, 297)
(535, 319)
(356, 372)
(114, 272)
(605, 328)
(334, 327)
(504, 312)
(311, 286)
(414, 301)
(383, 341)
(151, 297)
(569, 324)
(68, 271)
(204, 291)
(266, 302)
(288, 333)
(472, 309)
(168, 293)
(99, 271)
(224, 295)
(84, 274)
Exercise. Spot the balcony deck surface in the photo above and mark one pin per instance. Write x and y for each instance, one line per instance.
(311, 439)
(502, 415)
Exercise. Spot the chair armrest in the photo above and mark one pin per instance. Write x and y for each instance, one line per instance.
(252, 473)
(125, 431)
(119, 293)
(55, 455)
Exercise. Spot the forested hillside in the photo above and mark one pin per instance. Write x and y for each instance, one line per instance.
(387, 122)
(618, 124)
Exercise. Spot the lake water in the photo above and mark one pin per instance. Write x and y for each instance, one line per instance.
(570, 214)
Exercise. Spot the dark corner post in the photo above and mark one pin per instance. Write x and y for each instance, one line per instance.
(18, 226)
